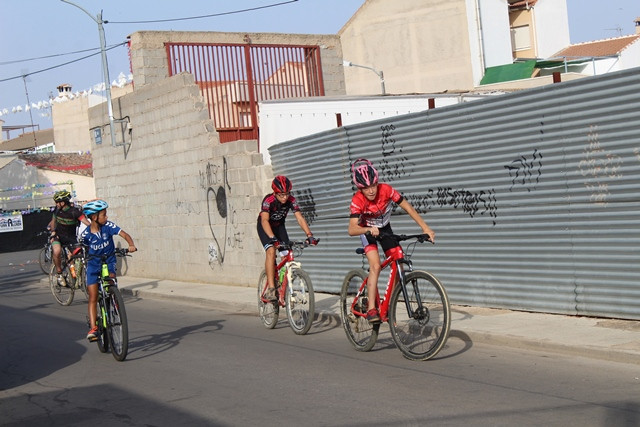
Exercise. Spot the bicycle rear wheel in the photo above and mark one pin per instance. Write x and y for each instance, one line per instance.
(117, 324)
(421, 334)
(62, 294)
(44, 259)
(361, 334)
(300, 302)
(268, 311)
(81, 279)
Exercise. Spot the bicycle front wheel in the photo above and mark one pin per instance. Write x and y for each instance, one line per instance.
(103, 337)
(62, 294)
(268, 311)
(300, 302)
(117, 324)
(420, 330)
(361, 334)
(44, 259)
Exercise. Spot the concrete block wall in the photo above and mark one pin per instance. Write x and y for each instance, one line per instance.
(189, 202)
(149, 55)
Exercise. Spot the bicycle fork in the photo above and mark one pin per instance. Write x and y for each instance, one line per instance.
(402, 278)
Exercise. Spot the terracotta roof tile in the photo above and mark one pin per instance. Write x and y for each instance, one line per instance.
(79, 164)
(605, 47)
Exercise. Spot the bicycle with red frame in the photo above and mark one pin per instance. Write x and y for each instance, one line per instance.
(415, 304)
(293, 290)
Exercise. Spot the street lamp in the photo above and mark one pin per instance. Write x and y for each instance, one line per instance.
(105, 69)
(379, 73)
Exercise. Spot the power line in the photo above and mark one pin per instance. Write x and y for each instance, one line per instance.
(202, 16)
(55, 55)
(60, 65)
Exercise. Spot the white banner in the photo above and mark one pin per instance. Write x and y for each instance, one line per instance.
(10, 223)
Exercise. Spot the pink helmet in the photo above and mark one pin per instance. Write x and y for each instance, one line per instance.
(363, 173)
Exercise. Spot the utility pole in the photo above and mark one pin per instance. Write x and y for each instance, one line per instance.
(105, 69)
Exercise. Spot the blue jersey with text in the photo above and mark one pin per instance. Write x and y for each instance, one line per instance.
(101, 243)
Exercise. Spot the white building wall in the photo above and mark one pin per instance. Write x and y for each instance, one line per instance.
(290, 119)
(630, 57)
(489, 29)
(552, 26)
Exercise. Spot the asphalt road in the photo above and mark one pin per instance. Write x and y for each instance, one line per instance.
(194, 365)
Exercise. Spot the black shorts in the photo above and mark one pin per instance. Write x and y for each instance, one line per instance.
(64, 240)
(279, 231)
(386, 241)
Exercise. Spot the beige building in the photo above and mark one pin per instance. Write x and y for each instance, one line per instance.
(426, 46)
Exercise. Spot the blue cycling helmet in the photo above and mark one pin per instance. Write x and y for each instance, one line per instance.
(94, 206)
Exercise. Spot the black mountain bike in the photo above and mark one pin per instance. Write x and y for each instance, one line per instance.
(46, 254)
(73, 262)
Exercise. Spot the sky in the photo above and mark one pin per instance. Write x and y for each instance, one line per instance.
(38, 36)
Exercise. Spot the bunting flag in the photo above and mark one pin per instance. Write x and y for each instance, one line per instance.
(121, 81)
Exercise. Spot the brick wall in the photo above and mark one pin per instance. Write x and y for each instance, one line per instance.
(189, 202)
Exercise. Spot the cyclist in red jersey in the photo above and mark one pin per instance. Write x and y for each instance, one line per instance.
(370, 217)
(271, 229)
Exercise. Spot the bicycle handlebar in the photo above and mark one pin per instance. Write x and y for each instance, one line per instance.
(421, 238)
(121, 252)
(293, 244)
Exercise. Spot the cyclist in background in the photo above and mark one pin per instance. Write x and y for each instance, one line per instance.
(99, 238)
(370, 217)
(63, 225)
(271, 229)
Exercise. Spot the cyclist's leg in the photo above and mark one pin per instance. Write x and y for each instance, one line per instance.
(92, 291)
(270, 255)
(56, 248)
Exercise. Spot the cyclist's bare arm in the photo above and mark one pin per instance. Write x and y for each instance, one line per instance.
(418, 219)
(129, 240)
(264, 221)
(303, 223)
(355, 229)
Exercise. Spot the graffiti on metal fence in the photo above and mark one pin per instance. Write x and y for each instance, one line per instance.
(307, 204)
(525, 172)
(394, 163)
(472, 203)
(221, 212)
(599, 167)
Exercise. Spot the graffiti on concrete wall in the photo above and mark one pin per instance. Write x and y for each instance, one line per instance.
(214, 180)
(307, 204)
(525, 171)
(599, 167)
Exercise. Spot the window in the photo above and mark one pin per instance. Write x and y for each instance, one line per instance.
(520, 38)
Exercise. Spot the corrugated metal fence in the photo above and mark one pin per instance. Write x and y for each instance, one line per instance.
(233, 78)
(534, 196)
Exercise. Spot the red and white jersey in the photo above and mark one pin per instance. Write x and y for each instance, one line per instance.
(375, 213)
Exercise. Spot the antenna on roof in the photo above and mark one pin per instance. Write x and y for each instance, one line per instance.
(25, 78)
(618, 29)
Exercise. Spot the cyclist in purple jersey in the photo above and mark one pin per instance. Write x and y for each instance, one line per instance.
(271, 229)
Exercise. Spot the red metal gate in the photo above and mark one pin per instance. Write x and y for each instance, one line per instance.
(233, 78)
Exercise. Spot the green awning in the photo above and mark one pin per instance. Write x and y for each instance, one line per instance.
(506, 73)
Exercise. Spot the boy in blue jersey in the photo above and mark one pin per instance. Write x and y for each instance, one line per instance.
(99, 238)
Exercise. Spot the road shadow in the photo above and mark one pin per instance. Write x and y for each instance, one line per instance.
(148, 345)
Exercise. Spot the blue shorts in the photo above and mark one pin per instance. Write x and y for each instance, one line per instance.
(95, 270)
